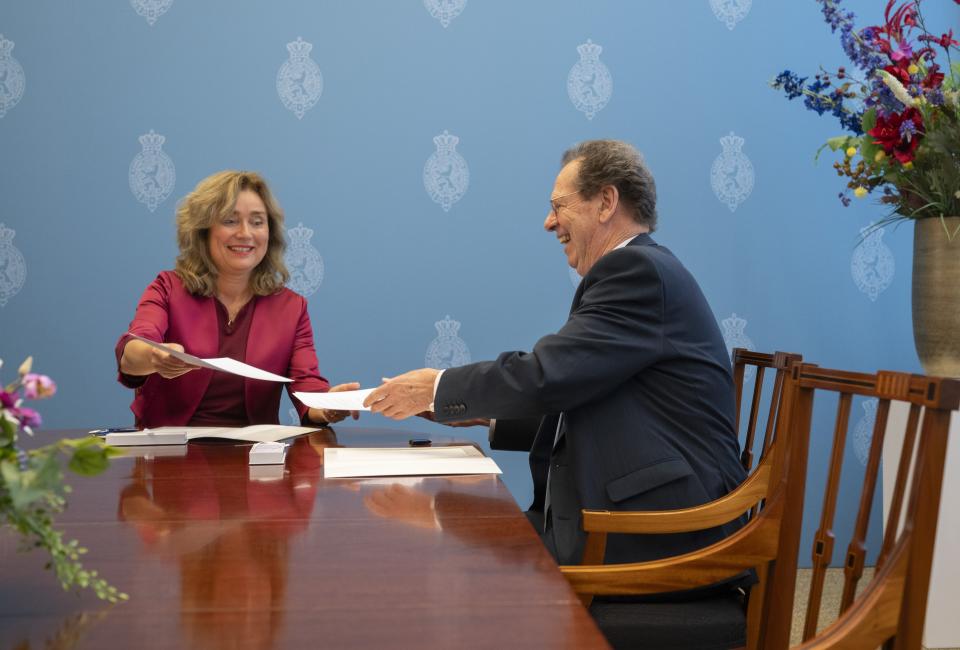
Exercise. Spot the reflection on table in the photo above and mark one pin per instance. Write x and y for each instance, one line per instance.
(216, 553)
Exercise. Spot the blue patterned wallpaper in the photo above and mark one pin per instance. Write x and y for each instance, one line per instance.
(413, 145)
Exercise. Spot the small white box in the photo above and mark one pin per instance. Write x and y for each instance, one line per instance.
(268, 453)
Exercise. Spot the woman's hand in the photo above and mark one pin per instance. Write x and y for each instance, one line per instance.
(141, 359)
(168, 366)
(330, 416)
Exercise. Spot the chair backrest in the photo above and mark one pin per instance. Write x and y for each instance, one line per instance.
(743, 361)
(892, 606)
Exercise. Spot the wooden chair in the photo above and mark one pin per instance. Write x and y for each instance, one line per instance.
(890, 610)
(743, 360)
(766, 494)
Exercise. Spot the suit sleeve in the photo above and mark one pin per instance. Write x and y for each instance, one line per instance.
(613, 333)
(513, 435)
(304, 369)
(149, 321)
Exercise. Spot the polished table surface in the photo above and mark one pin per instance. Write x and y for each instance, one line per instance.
(215, 553)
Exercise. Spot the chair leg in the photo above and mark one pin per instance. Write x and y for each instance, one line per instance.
(593, 552)
(755, 607)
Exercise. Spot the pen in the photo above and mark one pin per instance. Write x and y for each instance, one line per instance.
(102, 432)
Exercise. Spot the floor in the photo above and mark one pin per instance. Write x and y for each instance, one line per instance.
(832, 589)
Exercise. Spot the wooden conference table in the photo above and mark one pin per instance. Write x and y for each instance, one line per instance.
(216, 554)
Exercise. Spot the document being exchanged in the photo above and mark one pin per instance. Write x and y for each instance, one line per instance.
(223, 364)
(347, 400)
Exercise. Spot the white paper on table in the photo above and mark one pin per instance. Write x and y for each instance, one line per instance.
(351, 462)
(348, 400)
(223, 364)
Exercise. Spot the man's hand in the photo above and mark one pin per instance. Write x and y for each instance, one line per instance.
(404, 395)
(168, 366)
(330, 416)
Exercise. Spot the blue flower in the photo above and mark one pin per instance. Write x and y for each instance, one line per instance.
(935, 97)
(907, 130)
(836, 18)
(790, 82)
(852, 122)
(815, 99)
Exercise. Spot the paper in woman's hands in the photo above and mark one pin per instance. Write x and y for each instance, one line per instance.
(223, 364)
(347, 400)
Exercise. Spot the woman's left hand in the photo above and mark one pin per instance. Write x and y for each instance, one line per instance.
(329, 415)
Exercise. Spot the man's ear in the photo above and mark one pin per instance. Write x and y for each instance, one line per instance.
(609, 201)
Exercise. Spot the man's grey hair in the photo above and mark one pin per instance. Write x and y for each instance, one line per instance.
(612, 162)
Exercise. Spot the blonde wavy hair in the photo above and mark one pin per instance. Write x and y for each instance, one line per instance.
(213, 198)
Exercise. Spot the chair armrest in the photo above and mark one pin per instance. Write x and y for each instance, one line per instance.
(749, 547)
(702, 517)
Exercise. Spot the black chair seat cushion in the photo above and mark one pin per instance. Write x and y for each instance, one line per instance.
(713, 623)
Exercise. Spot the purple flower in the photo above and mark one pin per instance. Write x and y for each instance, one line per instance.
(38, 386)
(861, 49)
(836, 18)
(882, 97)
(27, 416)
(903, 52)
(7, 400)
(935, 97)
(907, 130)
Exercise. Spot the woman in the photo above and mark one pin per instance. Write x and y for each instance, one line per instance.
(225, 298)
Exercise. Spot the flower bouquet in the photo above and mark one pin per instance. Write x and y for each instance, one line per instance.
(899, 104)
(31, 481)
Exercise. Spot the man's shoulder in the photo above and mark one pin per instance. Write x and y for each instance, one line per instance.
(642, 257)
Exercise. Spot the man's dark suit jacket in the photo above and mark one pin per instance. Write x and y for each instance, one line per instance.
(642, 378)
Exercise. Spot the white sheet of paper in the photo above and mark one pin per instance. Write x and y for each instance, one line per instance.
(352, 462)
(348, 400)
(224, 364)
(258, 432)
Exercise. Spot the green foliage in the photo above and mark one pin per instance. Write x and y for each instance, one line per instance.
(839, 143)
(32, 490)
(27, 486)
(89, 457)
(868, 148)
(8, 432)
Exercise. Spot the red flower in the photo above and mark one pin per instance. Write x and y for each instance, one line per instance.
(933, 79)
(904, 15)
(889, 134)
(901, 71)
(947, 39)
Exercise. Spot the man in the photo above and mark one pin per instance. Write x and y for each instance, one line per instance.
(632, 399)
